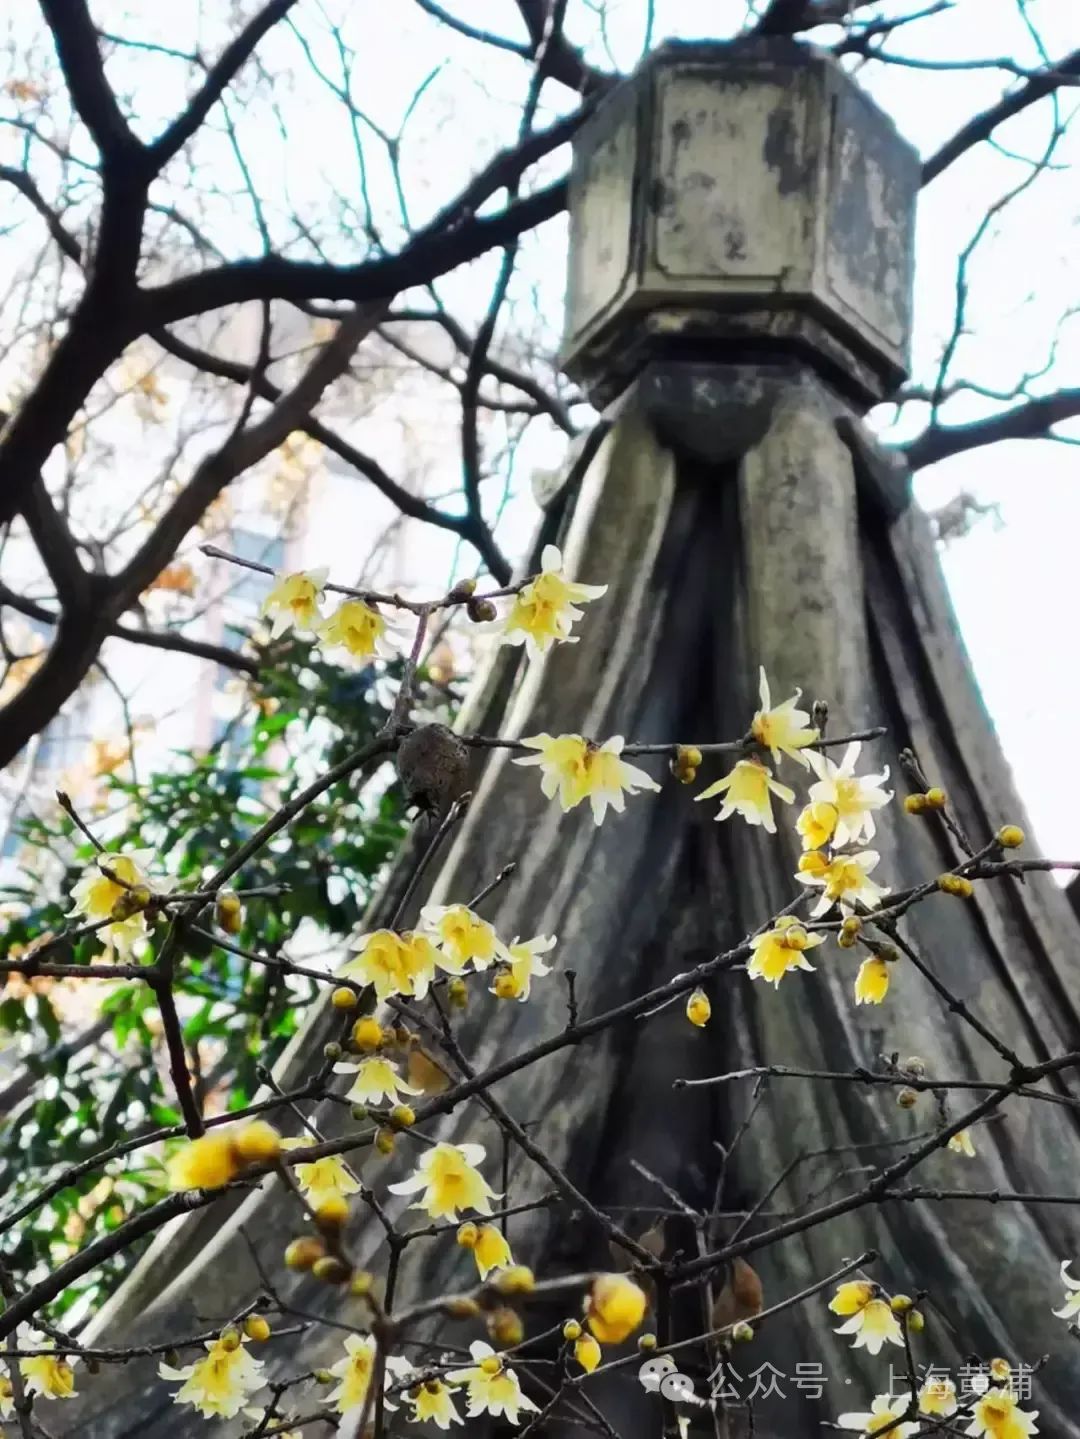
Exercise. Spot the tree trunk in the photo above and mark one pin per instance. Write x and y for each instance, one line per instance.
(733, 529)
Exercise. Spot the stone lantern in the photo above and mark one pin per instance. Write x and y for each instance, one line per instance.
(734, 202)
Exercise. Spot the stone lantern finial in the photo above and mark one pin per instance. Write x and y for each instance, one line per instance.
(739, 201)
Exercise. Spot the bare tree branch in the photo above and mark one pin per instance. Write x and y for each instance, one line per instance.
(76, 42)
(1032, 420)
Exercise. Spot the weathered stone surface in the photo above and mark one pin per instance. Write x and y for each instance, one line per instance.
(739, 194)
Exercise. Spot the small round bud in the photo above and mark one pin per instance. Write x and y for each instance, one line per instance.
(571, 1330)
(914, 1066)
(936, 798)
(303, 1252)
(915, 804)
(461, 1307)
(901, 1303)
(915, 1321)
(742, 1333)
(468, 1235)
(519, 1279)
(481, 612)
(698, 1009)
(402, 1116)
(332, 1213)
(229, 912)
(332, 1050)
(907, 1098)
(361, 1282)
(359, 1111)
(851, 925)
(646, 1342)
(956, 884)
(256, 1327)
(384, 1140)
(457, 992)
(1010, 836)
(1000, 1370)
(587, 1353)
(323, 1376)
(229, 1340)
(846, 939)
(330, 1269)
(257, 1143)
(505, 1328)
(344, 998)
(367, 1034)
(463, 590)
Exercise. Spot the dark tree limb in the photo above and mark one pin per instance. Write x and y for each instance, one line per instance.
(1032, 420)
(983, 125)
(76, 42)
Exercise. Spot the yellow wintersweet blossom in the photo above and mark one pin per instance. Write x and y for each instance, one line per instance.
(587, 1353)
(615, 1307)
(870, 1319)
(782, 730)
(544, 610)
(962, 1143)
(492, 1387)
(354, 1373)
(997, 1415)
(462, 937)
(358, 628)
(845, 880)
(294, 602)
(7, 1397)
(490, 1250)
(1071, 1307)
(393, 963)
(938, 1396)
(854, 797)
(49, 1375)
(699, 1008)
(451, 1182)
(322, 1179)
(748, 790)
(523, 965)
(886, 1416)
(576, 769)
(214, 1159)
(817, 824)
(433, 1403)
(110, 879)
(221, 1383)
(872, 981)
(376, 1080)
(780, 950)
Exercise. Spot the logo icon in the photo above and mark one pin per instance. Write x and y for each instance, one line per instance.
(661, 1375)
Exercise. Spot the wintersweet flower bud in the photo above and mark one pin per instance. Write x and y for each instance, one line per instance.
(907, 1098)
(587, 1353)
(742, 1332)
(333, 1212)
(915, 804)
(323, 1376)
(698, 1008)
(256, 1327)
(851, 925)
(344, 998)
(229, 1339)
(303, 1252)
(847, 939)
(332, 1050)
(481, 612)
(384, 1140)
(229, 912)
(956, 884)
(914, 1066)
(402, 1116)
(461, 1307)
(367, 1034)
(457, 992)
(463, 590)
(901, 1303)
(936, 798)
(915, 1321)
(1010, 836)
(505, 1328)
(517, 1280)
(647, 1341)
(360, 1284)
(571, 1330)
(330, 1269)
(257, 1142)
(505, 985)
(359, 1112)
